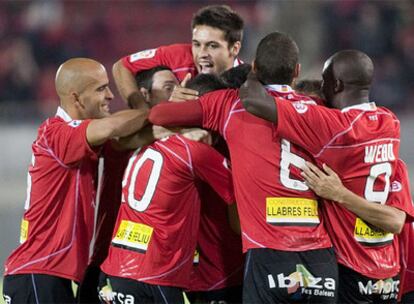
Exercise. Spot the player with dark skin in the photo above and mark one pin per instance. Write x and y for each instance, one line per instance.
(347, 77)
(358, 127)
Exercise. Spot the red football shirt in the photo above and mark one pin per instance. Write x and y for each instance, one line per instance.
(361, 144)
(114, 164)
(276, 208)
(178, 57)
(401, 190)
(58, 220)
(219, 263)
(156, 231)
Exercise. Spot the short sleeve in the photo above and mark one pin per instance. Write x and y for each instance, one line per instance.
(400, 192)
(67, 141)
(307, 125)
(217, 107)
(212, 167)
(144, 60)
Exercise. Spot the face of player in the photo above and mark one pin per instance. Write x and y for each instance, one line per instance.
(211, 52)
(96, 96)
(328, 83)
(163, 83)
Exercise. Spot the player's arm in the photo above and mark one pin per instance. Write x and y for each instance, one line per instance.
(233, 218)
(120, 124)
(328, 185)
(256, 101)
(127, 86)
(136, 140)
(171, 114)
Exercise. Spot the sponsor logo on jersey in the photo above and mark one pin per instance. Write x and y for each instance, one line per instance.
(303, 281)
(396, 186)
(369, 235)
(388, 288)
(291, 211)
(142, 55)
(300, 107)
(133, 236)
(24, 231)
(75, 123)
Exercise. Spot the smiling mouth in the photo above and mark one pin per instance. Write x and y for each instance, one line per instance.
(206, 67)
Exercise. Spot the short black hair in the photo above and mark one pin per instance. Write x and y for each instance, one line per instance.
(144, 79)
(223, 18)
(204, 83)
(276, 58)
(236, 76)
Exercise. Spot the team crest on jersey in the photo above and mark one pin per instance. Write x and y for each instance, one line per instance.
(143, 55)
(396, 186)
(300, 107)
(75, 123)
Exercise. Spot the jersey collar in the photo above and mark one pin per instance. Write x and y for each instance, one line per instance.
(281, 88)
(62, 114)
(237, 62)
(366, 106)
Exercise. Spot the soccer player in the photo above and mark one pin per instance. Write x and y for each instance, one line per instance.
(218, 265)
(59, 211)
(153, 244)
(360, 141)
(289, 254)
(155, 84)
(216, 40)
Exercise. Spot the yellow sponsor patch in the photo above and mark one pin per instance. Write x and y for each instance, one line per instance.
(369, 235)
(133, 236)
(291, 211)
(196, 258)
(24, 231)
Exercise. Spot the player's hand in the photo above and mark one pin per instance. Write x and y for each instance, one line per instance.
(181, 93)
(161, 132)
(325, 184)
(197, 134)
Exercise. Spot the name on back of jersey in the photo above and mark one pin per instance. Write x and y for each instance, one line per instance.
(379, 153)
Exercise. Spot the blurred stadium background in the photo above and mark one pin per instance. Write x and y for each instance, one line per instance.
(36, 36)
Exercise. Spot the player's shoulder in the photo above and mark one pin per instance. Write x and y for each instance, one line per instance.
(178, 47)
(227, 94)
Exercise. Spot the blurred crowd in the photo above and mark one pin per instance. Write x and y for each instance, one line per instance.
(36, 36)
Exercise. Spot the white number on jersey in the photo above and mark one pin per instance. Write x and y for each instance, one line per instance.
(287, 158)
(377, 170)
(132, 172)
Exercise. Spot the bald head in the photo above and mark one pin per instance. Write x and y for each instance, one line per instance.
(76, 74)
(352, 67)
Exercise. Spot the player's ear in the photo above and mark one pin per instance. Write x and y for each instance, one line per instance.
(296, 72)
(76, 100)
(339, 86)
(254, 66)
(146, 94)
(235, 48)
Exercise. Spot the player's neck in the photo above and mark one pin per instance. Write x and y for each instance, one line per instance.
(353, 97)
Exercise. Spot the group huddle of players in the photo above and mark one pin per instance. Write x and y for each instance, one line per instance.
(287, 198)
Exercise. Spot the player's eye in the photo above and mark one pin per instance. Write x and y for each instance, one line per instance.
(196, 44)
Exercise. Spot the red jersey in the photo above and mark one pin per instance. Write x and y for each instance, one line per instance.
(402, 191)
(156, 231)
(57, 224)
(178, 57)
(219, 260)
(277, 209)
(361, 144)
(114, 164)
